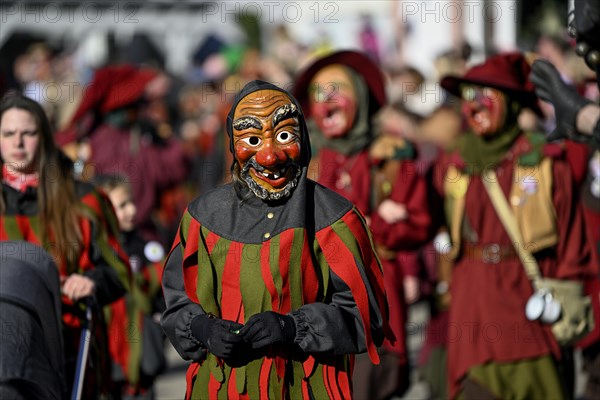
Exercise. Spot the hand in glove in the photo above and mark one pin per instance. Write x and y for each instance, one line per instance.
(268, 328)
(218, 336)
(567, 102)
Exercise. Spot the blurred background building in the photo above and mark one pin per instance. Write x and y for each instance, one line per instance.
(169, 33)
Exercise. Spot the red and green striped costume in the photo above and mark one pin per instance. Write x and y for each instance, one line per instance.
(128, 316)
(311, 258)
(101, 259)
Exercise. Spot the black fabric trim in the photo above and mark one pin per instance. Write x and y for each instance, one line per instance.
(311, 206)
(19, 203)
(25, 203)
(83, 188)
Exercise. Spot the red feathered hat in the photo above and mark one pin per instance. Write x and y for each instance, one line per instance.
(354, 60)
(114, 87)
(111, 88)
(507, 72)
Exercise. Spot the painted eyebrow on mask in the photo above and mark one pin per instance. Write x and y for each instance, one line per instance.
(246, 122)
(284, 112)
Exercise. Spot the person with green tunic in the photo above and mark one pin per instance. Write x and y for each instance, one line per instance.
(272, 282)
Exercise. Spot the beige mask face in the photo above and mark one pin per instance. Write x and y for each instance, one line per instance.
(333, 103)
(484, 108)
(266, 136)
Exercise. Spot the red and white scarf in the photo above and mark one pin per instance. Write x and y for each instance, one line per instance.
(19, 181)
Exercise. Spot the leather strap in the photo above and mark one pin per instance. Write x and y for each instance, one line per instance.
(490, 254)
(455, 188)
(490, 182)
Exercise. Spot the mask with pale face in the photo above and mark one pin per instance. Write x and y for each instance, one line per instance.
(268, 141)
(333, 101)
(485, 109)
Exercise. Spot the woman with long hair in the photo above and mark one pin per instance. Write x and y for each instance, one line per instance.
(42, 203)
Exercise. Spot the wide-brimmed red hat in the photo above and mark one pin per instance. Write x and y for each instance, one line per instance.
(354, 60)
(114, 87)
(507, 72)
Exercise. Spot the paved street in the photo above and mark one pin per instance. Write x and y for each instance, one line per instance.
(171, 385)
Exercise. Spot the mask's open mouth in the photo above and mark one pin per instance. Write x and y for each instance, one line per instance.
(275, 178)
(333, 117)
(482, 118)
(271, 183)
(479, 116)
(274, 175)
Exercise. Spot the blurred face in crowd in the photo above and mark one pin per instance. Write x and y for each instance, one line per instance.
(125, 208)
(484, 109)
(19, 140)
(266, 137)
(333, 104)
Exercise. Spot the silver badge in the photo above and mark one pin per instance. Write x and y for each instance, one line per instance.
(529, 185)
(154, 251)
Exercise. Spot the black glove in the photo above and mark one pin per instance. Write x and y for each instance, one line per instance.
(269, 328)
(587, 22)
(218, 335)
(567, 102)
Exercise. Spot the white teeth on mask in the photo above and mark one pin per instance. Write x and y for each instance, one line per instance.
(275, 175)
(270, 176)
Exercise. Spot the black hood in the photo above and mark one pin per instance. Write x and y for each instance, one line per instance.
(255, 86)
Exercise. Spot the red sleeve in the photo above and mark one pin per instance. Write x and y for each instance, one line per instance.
(577, 155)
(409, 189)
(573, 251)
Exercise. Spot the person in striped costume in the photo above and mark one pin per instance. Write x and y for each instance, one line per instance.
(136, 341)
(41, 203)
(272, 282)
